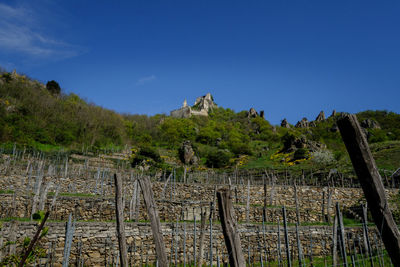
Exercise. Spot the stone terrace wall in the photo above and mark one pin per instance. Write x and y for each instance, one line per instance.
(99, 243)
(190, 199)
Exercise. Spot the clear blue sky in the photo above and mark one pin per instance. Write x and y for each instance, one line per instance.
(289, 58)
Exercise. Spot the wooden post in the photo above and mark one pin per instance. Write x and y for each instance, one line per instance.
(371, 182)
(202, 236)
(296, 201)
(69, 235)
(299, 249)
(231, 235)
(366, 237)
(334, 240)
(119, 210)
(211, 229)
(265, 200)
(194, 240)
(34, 240)
(248, 202)
(341, 235)
(148, 197)
(289, 260)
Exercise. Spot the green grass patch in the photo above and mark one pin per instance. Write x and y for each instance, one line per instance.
(6, 192)
(65, 194)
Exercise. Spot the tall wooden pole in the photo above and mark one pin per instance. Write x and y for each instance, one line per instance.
(231, 235)
(34, 240)
(148, 197)
(371, 182)
(119, 210)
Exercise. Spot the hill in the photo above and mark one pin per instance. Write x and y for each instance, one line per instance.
(41, 116)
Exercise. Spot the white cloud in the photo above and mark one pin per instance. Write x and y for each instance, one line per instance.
(146, 79)
(19, 32)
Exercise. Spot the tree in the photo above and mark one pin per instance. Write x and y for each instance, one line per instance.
(53, 87)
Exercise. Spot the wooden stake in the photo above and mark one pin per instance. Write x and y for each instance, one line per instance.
(341, 234)
(34, 240)
(288, 258)
(202, 237)
(231, 235)
(152, 212)
(371, 182)
(119, 210)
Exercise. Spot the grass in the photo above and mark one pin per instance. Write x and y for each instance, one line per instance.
(359, 260)
(9, 219)
(386, 154)
(65, 194)
(6, 192)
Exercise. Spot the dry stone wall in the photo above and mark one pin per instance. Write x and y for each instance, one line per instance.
(95, 244)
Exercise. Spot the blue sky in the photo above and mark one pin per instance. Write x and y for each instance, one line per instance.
(289, 58)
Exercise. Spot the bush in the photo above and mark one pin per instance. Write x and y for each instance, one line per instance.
(323, 157)
(145, 154)
(218, 158)
(53, 87)
(241, 149)
(300, 153)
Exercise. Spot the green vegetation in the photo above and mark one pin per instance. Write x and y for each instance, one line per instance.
(36, 116)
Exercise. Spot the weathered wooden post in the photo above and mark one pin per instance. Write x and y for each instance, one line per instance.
(194, 239)
(34, 240)
(228, 222)
(119, 210)
(334, 240)
(341, 234)
(148, 197)
(248, 202)
(299, 249)
(371, 182)
(69, 235)
(288, 258)
(202, 236)
(366, 237)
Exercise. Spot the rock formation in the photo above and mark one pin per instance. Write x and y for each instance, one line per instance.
(252, 113)
(302, 142)
(205, 102)
(187, 154)
(370, 124)
(321, 116)
(201, 107)
(304, 123)
(333, 113)
(285, 123)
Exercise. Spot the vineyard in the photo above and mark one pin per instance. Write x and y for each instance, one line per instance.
(281, 217)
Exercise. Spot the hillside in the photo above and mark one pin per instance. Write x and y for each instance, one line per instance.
(39, 116)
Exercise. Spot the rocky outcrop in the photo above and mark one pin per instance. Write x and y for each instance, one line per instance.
(370, 124)
(292, 144)
(321, 116)
(262, 114)
(201, 107)
(285, 123)
(304, 123)
(252, 113)
(186, 153)
(205, 102)
(333, 113)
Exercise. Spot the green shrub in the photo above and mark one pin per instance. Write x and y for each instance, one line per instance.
(218, 158)
(300, 153)
(53, 87)
(146, 154)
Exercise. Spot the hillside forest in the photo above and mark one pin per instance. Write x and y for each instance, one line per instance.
(42, 117)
